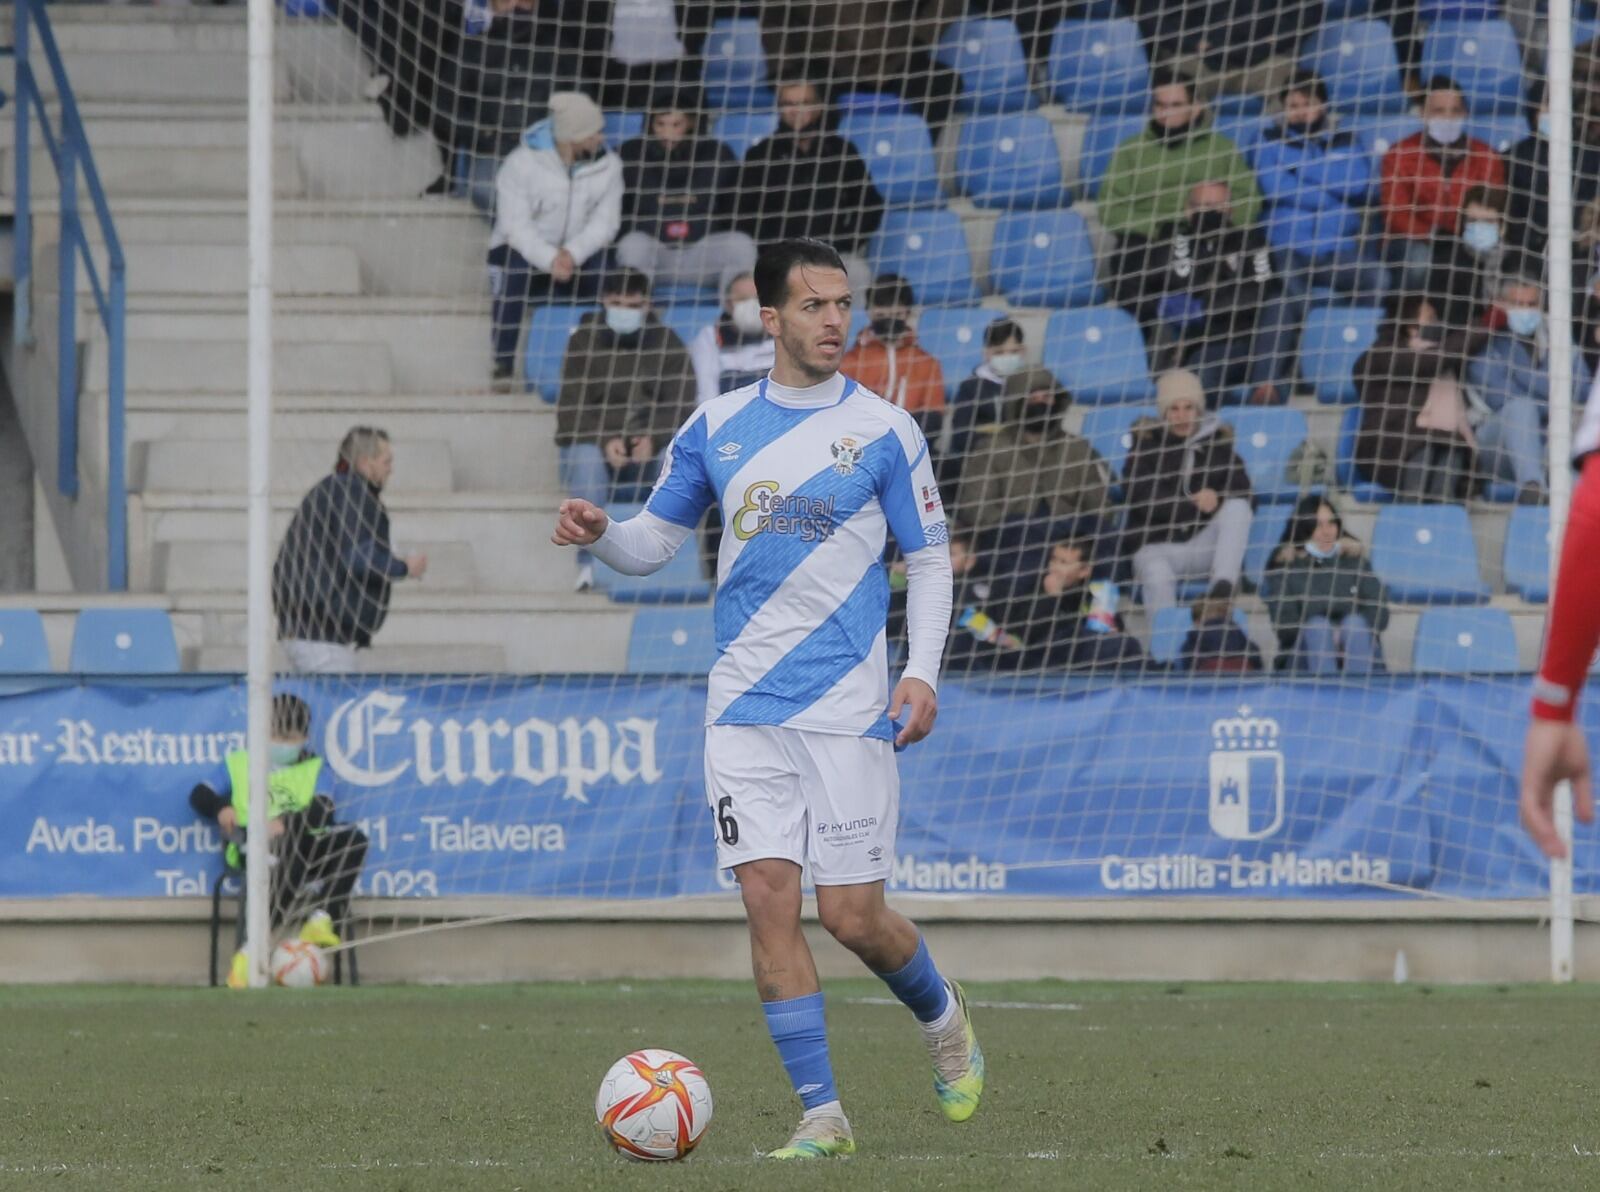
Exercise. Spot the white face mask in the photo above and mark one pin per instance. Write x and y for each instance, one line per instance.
(1481, 235)
(747, 315)
(1447, 131)
(1006, 363)
(1525, 320)
(1320, 552)
(624, 320)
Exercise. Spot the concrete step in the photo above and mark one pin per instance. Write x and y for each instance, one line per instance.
(192, 171)
(209, 466)
(183, 365)
(190, 567)
(143, 75)
(99, 29)
(199, 268)
(382, 658)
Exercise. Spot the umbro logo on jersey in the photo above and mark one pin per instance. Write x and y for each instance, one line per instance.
(729, 451)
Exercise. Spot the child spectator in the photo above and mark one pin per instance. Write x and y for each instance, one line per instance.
(979, 405)
(1327, 604)
(735, 350)
(887, 360)
(1066, 618)
(1215, 644)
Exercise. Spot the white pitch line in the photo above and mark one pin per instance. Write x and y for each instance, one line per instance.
(889, 1001)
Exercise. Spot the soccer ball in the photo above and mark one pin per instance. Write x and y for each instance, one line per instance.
(654, 1105)
(298, 965)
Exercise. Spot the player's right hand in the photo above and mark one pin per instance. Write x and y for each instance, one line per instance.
(579, 523)
(1554, 752)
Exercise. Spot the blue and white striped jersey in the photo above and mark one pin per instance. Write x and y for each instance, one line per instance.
(810, 482)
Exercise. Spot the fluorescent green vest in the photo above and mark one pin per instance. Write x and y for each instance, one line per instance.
(289, 789)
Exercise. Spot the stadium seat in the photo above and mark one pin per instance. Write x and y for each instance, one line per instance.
(1044, 258)
(1265, 438)
(1429, 11)
(1345, 10)
(548, 332)
(1358, 62)
(23, 649)
(739, 130)
(1333, 339)
(954, 334)
(1099, 67)
(672, 641)
(1500, 133)
(681, 581)
(1426, 555)
(124, 641)
(928, 249)
(1367, 491)
(1382, 133)
(1484, 59)
(1100, 141)
(883, 102)
(1266, 528)
(1526, 560)
(622, 126)
(989, 58)
(735, 70)
(688, 321)
(1229, 105)
(1010, 160)
(1168, 628)
(1244, 131)
(1465, 641)
(1098, 353)
(899, 155)
(1109, 431)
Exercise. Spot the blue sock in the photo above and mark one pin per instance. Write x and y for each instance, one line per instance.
(797, 1027)
(919, 985)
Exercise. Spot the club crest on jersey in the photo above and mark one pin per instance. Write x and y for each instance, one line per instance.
(847, 454)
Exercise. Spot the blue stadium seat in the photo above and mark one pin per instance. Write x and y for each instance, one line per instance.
(23, 649)
(1382, 133)
(1244, 131)
(1367, 491)
(672, 641)
(1265, 437)
(124, 641)
(1465, 641)
(863, 102)
(1109, 431)
(1345, 10)
(1357, 60)
(679, 582)
(1100, 67)
(954, 334)
(1526, 561)
(928, 249)
(1429, 11)
(1098, 353)
(735, 70)
(1100, 141)
(1426, 555)
(1500, 133)
(1230, 105)
(899, 155)
(688, 321)
(1009, 160)
(1484, 59)
(1333, 339)
(1265, 530)
(739, 130)
(1168, 628)
(622, 126)
(548, 332)
(989, 58)
(1044, 258)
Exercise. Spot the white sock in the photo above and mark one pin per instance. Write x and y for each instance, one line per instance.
(942, 1023)
(828, 1109)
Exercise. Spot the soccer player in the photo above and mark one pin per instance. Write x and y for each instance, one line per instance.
(811, 470)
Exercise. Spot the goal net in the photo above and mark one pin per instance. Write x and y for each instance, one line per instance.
(1229, 331)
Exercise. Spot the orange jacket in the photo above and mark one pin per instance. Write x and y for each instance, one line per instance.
(903, 374)
(1420, 197)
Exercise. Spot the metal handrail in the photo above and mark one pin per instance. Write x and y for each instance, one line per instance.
(70, 153)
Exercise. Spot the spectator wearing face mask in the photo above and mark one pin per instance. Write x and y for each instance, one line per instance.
(1423, 179)
(1511, 377)
(1327, 604)
(979, 405)
(1467, 265)
(736, 350)
(1528, 171)
(887, 360)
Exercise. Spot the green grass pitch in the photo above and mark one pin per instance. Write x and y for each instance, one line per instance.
(1091, 1086)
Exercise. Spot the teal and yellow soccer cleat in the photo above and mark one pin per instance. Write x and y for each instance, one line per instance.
(239, 971)
(818, 1138)
(957, 1062)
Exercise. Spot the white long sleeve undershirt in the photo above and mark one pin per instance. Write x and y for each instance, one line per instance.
(640, 545)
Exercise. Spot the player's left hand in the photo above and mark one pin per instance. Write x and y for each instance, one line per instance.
(924, 705)
(1554, 751)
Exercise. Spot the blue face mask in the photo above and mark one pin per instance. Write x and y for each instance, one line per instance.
(1317, 552)
(1481, 236)
(281, 755)
(624, 320)
(1525, 320)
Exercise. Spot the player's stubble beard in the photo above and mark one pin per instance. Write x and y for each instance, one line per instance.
(794, 347)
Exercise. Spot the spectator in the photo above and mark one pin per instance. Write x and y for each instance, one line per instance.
(1215, 644)
(1424, 178)
(979, 406)
(1317, 179)
(678, 200)
(623, 51)
(971, 588)
(626, 386)
(317, 861)
(1235, 38)
(887, 360)
(1415, 436)
(1066, 618)
(1467, 263)
(1528, 171)
(331, 580)
(1510, 375)
(1188, 497)
(736, 350)
(1221, 311)
(559, 208)
(1327, 604)
(807, 181)
(1151, 175)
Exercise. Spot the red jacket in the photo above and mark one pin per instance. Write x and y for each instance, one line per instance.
(1421, 197)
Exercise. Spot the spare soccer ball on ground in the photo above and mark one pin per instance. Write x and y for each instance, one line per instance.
(653, 1105)
(298, 965)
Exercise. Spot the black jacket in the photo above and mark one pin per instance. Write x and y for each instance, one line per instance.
(1528, 187)
(1164, 472)
(331, 580)
(1227, 268)
(677, 195)
(820, 190)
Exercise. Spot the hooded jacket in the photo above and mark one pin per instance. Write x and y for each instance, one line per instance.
(1318, 181)
(1423, 184)
(1164, 472)
(613, 385)
(902, 374)
(677, 194)
(1149, 180)
(542, 206)
(1225, 267)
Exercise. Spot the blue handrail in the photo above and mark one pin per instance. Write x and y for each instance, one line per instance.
(69, 153)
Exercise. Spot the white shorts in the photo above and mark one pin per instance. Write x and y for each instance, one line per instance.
(821, 800)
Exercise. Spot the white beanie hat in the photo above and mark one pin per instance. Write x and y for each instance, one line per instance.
(575, 116)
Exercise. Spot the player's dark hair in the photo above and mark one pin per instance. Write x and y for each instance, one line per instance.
(291, 716)
(776, 260)
(997, 332)
(627, 281)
